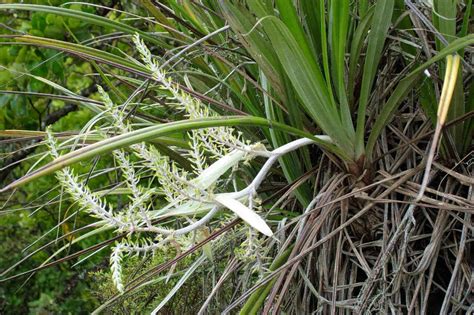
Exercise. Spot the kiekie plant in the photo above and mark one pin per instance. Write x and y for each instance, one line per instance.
(306, 67)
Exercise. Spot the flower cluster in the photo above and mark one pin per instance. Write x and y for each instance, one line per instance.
(216, 141)
(193, 195)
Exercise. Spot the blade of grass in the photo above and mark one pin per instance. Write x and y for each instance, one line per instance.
(83, 51)
(465, 19)
(255, 301)
(160, 17)
(197, 263)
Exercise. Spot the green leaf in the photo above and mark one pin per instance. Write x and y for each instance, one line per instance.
(258, 46)
(378, 33)
(307, 79)
(339, 17)
(255, 301)
(290, 163)
(189, 272)
(312, 24)
(357, 44)
(83, 51)
(289, 16)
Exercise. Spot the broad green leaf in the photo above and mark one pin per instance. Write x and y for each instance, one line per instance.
(259, 9)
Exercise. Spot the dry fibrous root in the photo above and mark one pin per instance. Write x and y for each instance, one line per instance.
(406, 261)
(352, 270)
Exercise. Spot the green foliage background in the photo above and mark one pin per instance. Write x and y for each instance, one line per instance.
(62, 289)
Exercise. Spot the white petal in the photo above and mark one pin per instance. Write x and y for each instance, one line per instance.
(244, 213)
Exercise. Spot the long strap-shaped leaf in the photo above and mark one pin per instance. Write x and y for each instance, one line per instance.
(289, 43)
(84, 51)
(255, 301)
(308, 82)
(152, 132)
(257, 46)
(291, 164)
(338, 29)
(357, 43)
